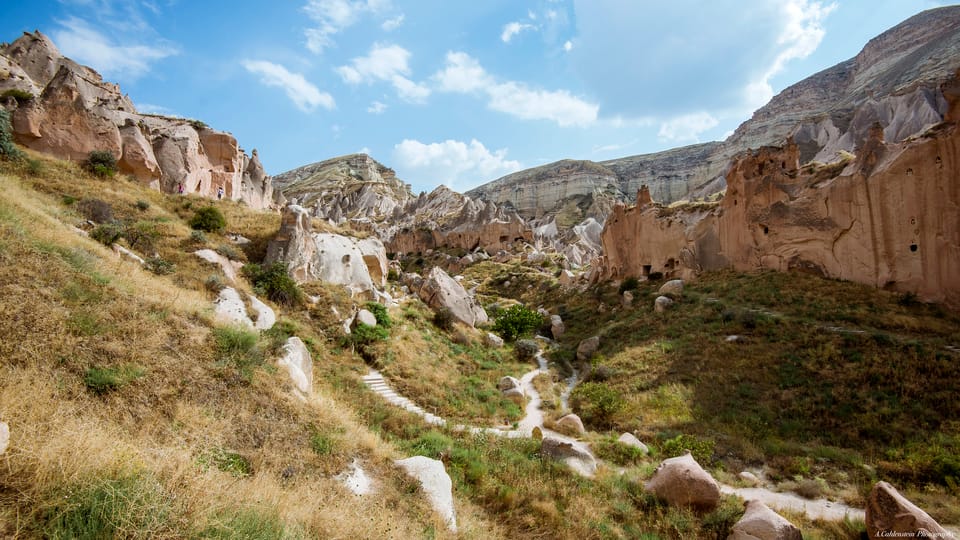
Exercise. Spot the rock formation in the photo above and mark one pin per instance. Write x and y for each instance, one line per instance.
(886, 217)
(440, 291)
(299, 364)
(890, 515)
(759, 522)
(359, 265)
(73, 111)
(681, 481)
(436, 485)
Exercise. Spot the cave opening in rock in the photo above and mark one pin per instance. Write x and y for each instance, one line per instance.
(914, 247)
(646, 269)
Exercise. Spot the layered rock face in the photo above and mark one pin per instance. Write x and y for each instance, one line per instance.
(887, 217)
(894, 81)
(74, 112)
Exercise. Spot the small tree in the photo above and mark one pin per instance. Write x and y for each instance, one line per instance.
(8, 150)
(517, 321)
(274, 282)
(101, 163)
(209, 219)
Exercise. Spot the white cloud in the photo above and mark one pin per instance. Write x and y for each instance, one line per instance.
(385, 63)
(149, 108)
(333, 16)
(376, 107)
(392, 24)
(463, 74)
(304, 95)
(453, 161)
(687, 128)
(568, 45)
(78, 40)
(364, 150)
(513, 28)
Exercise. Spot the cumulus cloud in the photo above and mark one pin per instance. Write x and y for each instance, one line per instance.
(304, 94)
(512, 29)
(687, 128)
(388, 63)
(453, 162)
(464, 74)
(78, 40)
(376, 107)
(333, 16)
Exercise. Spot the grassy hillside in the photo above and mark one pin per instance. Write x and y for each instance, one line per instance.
(133, 414)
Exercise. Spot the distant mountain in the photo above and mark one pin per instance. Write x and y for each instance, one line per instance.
(894, 81)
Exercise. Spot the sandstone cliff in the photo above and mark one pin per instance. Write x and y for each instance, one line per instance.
(889, 217)
(893, 81)
(72, 112)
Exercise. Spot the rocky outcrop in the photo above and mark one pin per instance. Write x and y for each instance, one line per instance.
(333, 258)
(886, 217)
(436, 484)
(440, 291)
(759, 522)
(573, 455)
(73, 111)
(681, 481)
(570, 424)
(629, 439)
(299, 365)
(889, 514)
(230, 309)
(587, 348)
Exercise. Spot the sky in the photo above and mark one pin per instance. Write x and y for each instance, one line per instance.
(458, 92)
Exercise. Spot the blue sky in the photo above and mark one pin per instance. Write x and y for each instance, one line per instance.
(455, 92)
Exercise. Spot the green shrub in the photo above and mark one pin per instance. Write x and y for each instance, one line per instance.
(629, 284)
(248, 524)
(34, 167)
(142, 205)
(197, 237)
(614, 451)
(96, 210)
(128, 507)
(142, 236)
(380, 313)
(597, 404)
(101, 163)
(209, 219)
(364, 334)
(101, 380)
(226, 461)
(229, 252)
(702, 449)
(8, 150)
(321, 444)
(214, 283)
(443, 319)
(160, 267)
(525, 349)
(107, 233)
(238, 347)
(517, 321)
(18, 94)
(274, 282)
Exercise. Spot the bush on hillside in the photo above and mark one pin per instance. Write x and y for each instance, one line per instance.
(20, 95)
(525, 349)
(8, 150)
(274, 282)
(209, 219)
(96, 210)
(517, 321)
(443, 319)
(629, 284)
(597, 404)
(380, 313)
(101, 163)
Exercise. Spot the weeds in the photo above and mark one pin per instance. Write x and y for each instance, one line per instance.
(239, 348)
(101, 380)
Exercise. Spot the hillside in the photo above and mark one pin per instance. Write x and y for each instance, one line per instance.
(893, 80)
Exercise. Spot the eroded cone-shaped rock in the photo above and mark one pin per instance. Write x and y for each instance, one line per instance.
(627, 299)
(557, 328)
(296, 358)
(761, 523)
(891, 514)
(570, 424)
(630, 439)
(681, 481)
(588, 348)
(436, 485)
(440, 291)
(661, 304)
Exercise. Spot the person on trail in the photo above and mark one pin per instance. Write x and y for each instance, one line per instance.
(219, 193)
(180, 188)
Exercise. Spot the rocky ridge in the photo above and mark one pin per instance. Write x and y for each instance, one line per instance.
(67, 110)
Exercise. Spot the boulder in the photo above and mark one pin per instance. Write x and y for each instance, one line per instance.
(365, 317)
(4, 437)
(440, 291)
(570, 424)
(508, 383)
(890, 514)
(557, 327)
(759, 522)
(565, 278)
(681, 481)
(626, 300)
(299, 364)
(265, 317)
(629, 439)
(229, 267)
(575, 457)
(493, 340)
(749, 478)
(672, 288)
(662, 304)
(587, 348)
(229, 308)
(436, 485)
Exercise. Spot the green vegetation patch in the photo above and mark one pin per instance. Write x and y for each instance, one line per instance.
(101, 380)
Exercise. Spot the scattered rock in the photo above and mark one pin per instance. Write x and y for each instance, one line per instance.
(229, 267)
(557, 327)
(681, 481)
(576, 458)
(630, 440)
(735, 339)
(588, 348)
(570, 424)
(661, 304)
(296, 358)
(365, 317)
(759, 522)
(4, 437)
(627, 299)
(356, 479)
(511, 388)
(749, 478)
(266, 318)
(493, 340)
(891, 514)
(672, 288)
(436, 484)
(440, 291)
(228, 308)
(566, 278)
(508, 383)
(124, 252)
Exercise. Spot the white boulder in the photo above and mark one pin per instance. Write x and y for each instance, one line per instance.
(436, 485)
(299, 364)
